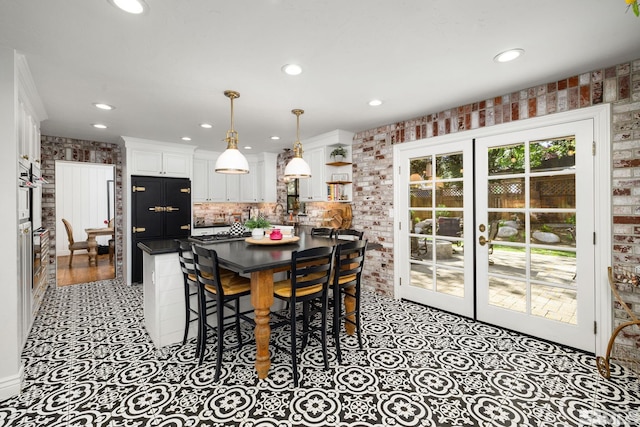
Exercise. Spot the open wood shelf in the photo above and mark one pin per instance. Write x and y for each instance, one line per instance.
(338, 163)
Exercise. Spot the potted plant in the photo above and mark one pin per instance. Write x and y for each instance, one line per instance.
(257, 227)
(338, 153)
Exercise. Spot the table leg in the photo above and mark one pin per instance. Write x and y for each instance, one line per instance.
(349, 307)
(93, 249)
(262, 299)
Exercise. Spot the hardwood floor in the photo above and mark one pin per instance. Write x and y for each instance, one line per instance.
(81, 272)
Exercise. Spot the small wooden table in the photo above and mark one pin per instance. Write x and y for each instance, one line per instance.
(92, 233)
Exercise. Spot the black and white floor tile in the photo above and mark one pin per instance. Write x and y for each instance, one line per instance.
(89, 362)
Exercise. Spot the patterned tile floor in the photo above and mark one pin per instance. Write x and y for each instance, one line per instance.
(88, 362)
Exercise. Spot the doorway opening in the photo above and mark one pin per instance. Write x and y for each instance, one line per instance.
(85, 199)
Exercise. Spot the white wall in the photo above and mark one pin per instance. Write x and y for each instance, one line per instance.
(81, 199)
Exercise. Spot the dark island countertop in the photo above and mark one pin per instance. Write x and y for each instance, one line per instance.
(157, 247)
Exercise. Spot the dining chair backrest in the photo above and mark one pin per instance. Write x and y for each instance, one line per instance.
(322, 231)
(348, 232)
(187, 265)
(349, 261)
(206, 267)
(310, 271)
(69, 230)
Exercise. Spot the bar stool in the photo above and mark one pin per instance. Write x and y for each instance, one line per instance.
(347, 274)
(226, 291)
(308, 284)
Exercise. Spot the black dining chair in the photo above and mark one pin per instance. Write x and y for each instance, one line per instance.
(226, 290)
(308, 284)
(341, 232)
(346, 278)
(322, 231)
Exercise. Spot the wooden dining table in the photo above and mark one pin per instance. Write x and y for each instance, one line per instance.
(92, 233)
(261, 262)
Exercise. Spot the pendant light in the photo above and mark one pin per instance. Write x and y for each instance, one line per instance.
(232, 161)
(297, 167)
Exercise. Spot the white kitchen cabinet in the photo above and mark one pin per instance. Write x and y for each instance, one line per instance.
(207, 185)
(258, 186)
(314, 189)
(160, 163)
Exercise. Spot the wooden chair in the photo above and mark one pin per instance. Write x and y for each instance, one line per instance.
(308, 284)
(347, 273)
(338, 233)
(73, 245)
(226, 290)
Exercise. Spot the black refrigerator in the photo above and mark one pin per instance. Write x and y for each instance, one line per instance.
(161, 209)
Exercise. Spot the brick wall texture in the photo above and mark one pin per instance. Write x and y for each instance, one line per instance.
(618, 85)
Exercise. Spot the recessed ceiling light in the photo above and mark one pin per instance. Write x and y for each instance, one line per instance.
(103, 106)
(99, 126)
(375, 102)
(135, 7)
(206, 125)
(274, 138)
(508, 55)
(185, 138)
(248, 147)
(292, 69)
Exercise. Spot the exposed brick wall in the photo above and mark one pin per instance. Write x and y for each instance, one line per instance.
(618, 85)
(56, 148)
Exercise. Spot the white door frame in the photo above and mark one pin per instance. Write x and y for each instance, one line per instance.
(601, 115)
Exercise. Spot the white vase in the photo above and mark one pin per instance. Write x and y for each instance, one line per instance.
(338, 158)
(257, 233)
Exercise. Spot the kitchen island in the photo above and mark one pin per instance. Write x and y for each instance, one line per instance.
(164, 295)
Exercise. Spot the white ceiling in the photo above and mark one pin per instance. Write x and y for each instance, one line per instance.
(166, 71)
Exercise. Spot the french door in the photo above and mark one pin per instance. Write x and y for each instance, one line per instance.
(438, 236)
(500, 229)
(535, 227)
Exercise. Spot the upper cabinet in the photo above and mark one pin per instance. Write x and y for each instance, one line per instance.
(29, 115)
(313, 189)
(258, 186)
(151, 158)
(330, 176)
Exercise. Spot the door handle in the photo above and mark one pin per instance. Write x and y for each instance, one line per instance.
(157, 209)
(138, 189)
(185, 190)
(185, 227)
(482, 240)
(171, 209)
(139, 229)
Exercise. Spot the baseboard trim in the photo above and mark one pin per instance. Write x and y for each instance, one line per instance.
(11, 386)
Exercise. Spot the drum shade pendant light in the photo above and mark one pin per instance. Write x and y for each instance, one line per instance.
(297, 167)
(232, 161)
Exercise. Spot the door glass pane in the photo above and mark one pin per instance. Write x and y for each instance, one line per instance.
(508, 260)
(552, 191)
(554, 303)
(449, 166)
(508, 293)
(553, 154)
(507, 227)
(507, 159)
(450, 282)
(449, 194)
(422, 276)
(558, 267)
(506, 193)
(553, 228)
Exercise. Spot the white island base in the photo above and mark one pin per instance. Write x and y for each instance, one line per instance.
(164, 305)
